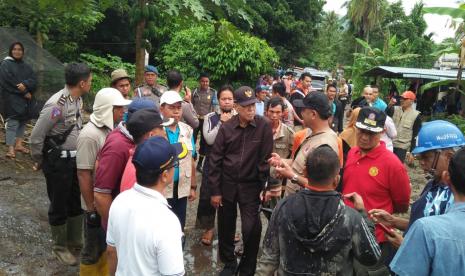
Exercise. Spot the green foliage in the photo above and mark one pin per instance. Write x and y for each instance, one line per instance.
(221, 50)
(452, 12)
(365, 15)
(330, 43)
(393, 53)
(101, 70)
(457, 120)
(290, 27)
(58, 25)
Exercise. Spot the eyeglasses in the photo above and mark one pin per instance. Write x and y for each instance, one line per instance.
(174, 164)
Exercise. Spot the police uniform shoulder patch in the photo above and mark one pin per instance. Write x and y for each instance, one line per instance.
(56, 112)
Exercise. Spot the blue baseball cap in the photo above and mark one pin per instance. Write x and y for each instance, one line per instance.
(156, 154)
(141, 103)
(151, 68)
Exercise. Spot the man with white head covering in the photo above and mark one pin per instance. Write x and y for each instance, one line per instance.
(108, 110)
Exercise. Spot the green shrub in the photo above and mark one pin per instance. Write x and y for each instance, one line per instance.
(221, 50)
(101, 70)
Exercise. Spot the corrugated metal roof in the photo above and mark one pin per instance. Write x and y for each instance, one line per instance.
(412, 73)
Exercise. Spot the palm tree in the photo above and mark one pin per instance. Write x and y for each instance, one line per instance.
(365, 15)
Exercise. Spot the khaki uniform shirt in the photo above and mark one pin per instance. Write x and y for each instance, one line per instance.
(58, 114)
(146, 91)
(311, 142)
(202, 101)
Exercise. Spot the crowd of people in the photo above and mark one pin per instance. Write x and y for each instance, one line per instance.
(331, 190)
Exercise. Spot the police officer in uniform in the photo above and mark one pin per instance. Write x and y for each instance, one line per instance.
(150, 88)
(53, 147)
(204, 100)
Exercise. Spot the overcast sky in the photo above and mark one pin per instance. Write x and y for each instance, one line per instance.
(437, 24)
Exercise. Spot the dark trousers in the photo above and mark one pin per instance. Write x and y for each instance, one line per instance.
(205, 211)
(62, 189)
(178, 205)
(202, 143)
(251, 231)
(400, 153)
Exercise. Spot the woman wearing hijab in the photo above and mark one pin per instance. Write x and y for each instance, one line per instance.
(348, 135)
(18, 82)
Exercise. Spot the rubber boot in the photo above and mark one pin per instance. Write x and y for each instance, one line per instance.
(98, 269)
(59, 248)
(74, 228)
(92, 250)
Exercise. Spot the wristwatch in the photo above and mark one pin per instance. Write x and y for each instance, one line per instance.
(294, 179)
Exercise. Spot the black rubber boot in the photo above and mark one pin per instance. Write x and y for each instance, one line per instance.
(91, 252)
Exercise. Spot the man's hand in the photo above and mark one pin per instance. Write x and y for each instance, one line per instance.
(37, 166)
(394, 238)
(21, 87)
(275, 160)
(225, 116)
(216, 201)
(284, 171)
(356, 199)
(381, 216)
(192, 195)
(392, 102)
(409, 159)
(188, 95)
(271, 193)
(28, 96)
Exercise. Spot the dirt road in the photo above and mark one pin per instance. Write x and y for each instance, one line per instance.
(25, 242)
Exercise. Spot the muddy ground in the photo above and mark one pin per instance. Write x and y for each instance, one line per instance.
(25, 241)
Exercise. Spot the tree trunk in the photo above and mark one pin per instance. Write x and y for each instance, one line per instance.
(40, 64)
(39, 39)
(140, 50)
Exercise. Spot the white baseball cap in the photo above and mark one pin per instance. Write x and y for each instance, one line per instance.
(170, 97)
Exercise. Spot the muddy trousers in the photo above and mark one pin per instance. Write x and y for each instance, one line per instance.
(62, 189)
(251, 232)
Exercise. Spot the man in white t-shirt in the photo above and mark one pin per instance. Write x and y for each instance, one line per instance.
(144, 235)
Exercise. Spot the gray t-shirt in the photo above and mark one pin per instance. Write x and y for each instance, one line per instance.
(89, 143)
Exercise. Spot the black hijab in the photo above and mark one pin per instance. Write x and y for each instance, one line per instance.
(10, 51)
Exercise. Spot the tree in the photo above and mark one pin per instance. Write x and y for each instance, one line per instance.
(226, 53)
(291, 27)
(393, 53)
(330, 43)
(143, 13)
(56, 24)
(365, 15)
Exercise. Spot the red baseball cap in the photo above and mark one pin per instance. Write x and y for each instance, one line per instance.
(408, 95)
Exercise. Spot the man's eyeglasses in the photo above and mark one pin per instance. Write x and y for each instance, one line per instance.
(174, 164)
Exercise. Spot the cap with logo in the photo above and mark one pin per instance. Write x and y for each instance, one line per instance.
(119, 74)
(408, 95)
(317, 101)
(170, 97)
(371, 119)
(156, 153)
(151, 68)
(244, 96)
(144, 120)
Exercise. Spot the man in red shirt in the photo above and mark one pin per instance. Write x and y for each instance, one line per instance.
(377, 175)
